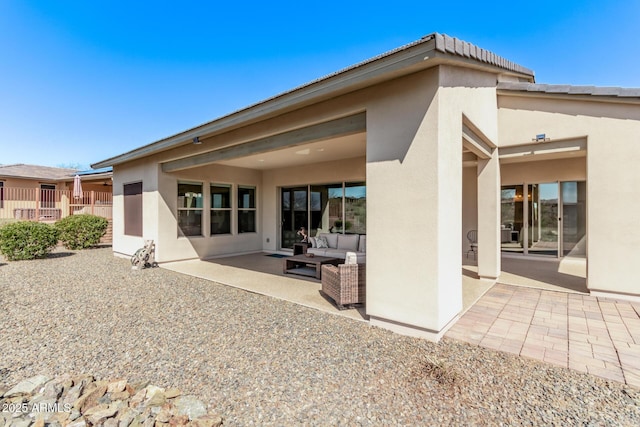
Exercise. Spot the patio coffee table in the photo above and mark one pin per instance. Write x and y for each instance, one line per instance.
(306, 266)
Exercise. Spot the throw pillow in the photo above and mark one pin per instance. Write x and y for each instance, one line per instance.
(312, 240)
(321, 242)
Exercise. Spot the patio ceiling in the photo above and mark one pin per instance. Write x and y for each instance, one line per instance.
(327, 141)
(343, 147)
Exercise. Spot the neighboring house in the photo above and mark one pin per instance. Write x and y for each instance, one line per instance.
(44, 193)
(414, 148)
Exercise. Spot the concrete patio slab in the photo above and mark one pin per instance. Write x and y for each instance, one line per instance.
(261, 273)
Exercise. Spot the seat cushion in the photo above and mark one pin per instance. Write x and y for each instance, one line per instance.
(316, 251)
(348, 242)
(362, 244)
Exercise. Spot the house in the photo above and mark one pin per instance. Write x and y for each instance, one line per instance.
(424, 143)
(44, 193)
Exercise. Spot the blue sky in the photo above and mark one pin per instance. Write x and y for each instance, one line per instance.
(81, 81)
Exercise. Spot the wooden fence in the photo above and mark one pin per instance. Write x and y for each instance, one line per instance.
(36, 204)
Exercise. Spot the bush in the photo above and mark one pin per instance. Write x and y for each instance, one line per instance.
(81, 231)
(27, 240)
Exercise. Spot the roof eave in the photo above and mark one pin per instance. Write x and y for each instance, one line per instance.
(569, 92)
(419, 55)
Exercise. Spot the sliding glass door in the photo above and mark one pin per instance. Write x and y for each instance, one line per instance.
(574, 218)
(544, 218)
(328, 208)
(294, 214)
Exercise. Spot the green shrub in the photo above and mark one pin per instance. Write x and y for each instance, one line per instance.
(81, 231)
(27, 240)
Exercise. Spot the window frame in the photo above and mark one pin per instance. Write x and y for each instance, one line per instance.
(194, 209)
(241, 209)
(213, 209)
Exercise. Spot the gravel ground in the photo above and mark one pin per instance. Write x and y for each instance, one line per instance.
(261, 361)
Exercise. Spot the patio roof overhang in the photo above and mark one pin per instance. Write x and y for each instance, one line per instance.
(332, 129)
(430, 51)
(544, 150)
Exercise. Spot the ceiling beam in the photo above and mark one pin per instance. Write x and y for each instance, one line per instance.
(331, 129)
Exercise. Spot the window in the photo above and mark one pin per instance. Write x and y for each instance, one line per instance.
(220, 209)
(332, 208)
(355, 208)
(189, 209)
(1, 194)
(246, 210)
(133, 209)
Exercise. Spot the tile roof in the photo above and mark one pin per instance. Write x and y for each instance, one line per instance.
(617, 92)
(21, 170)
(443, 45)
(458, 47)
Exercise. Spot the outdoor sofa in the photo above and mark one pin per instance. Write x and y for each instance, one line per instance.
(337, 245)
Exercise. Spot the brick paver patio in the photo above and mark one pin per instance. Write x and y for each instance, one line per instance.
(599, 336)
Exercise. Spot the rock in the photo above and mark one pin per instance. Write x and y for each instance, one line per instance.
(136, 386)
(172, 393)
(125, 416)
(95, 409)
(116, 386)
(135, 422)
(73, 394)
(62, 417)
(53, 389)
(189, 406)
(27, 386)
(93, 405)
(138, 398)
(101, 415)
(21, 423)
(179, 421)
(104, 399)
(157, 399)
(165, 413)
(120, 395)
(90, 399)
(74, 415)
(212, 420)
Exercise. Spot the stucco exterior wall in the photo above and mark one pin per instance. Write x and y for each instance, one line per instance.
(145, 171)
(612, 130)
(573, 169)
(414, 160)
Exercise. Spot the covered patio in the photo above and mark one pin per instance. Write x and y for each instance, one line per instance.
(261, 273)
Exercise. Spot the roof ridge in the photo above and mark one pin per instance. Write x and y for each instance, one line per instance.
(564, 89)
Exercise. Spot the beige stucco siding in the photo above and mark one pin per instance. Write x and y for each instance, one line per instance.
(570, 169)
(612, 131)
(414, 160)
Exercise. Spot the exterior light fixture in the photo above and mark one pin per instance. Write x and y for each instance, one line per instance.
(197, 141)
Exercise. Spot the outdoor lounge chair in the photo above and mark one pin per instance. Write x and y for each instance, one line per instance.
(345, 284)
(472, 237)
